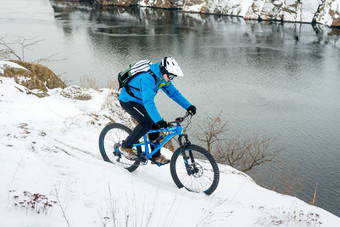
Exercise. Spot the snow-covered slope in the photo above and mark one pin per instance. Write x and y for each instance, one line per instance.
(49, 154)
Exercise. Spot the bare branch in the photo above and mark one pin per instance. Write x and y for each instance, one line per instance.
(247, 154)
(60, 205)
(211, 130)
(25, 43)
(49, 59)
(8, 50)
(243, 154)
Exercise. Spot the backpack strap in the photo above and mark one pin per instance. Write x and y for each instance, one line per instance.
(153, 75)
(127, 86)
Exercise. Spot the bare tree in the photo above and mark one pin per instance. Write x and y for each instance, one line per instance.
(26, 43)
(6, 50)
(244, 154)
(211, 131)
(248, 153)
(10, 50)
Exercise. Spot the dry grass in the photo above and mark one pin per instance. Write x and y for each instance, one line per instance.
(89, 82)
(129, 211)
(112, 84)
(293, 217)
(314, 196)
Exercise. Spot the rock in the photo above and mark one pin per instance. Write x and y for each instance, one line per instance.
(277, 3)
(270, 11)
(292, 11)
(335, 14)
(329, 13)
(32, 76)
(117, 2)
(166, 4)
(77, 92)
(255, 10)
(322, 11)
(308, 10)
(44, 74)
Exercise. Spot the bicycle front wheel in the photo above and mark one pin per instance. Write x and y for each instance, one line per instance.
(112, 137)
(195, 169)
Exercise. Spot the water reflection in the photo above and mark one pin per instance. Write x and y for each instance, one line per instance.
(112, 16)
(139, 27)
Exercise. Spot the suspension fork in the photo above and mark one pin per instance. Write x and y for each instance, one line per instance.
(185, 157)
(180, 140)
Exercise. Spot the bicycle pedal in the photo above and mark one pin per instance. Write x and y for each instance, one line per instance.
(143, 162)
(142, 159)
(159, 164)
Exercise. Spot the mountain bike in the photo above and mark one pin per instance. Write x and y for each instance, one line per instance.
(191, 166)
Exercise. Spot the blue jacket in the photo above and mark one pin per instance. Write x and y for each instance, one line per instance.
(144, 88)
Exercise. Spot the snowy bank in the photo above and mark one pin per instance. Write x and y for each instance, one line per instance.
(49, 155)
(307, 11)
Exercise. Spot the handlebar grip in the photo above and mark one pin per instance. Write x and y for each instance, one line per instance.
(180, 119)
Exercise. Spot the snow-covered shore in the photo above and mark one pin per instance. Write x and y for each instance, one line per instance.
(49, 146)
(306, 11)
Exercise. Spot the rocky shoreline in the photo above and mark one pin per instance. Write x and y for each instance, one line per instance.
(301, 11)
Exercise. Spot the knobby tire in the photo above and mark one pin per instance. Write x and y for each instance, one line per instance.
(113, 134)
(207, 175)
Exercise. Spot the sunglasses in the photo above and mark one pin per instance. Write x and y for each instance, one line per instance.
(171, 77)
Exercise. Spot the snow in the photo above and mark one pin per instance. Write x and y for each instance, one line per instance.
(325, 17)
(50, 146)
(308, 9)
(288, 10)
(5, 64)
(245, 5)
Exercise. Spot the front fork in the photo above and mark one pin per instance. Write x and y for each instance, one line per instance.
(186, 140)
(189, 167)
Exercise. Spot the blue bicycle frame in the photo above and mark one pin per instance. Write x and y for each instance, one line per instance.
(177, 130)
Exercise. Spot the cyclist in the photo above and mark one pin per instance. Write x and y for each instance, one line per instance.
(139, 103)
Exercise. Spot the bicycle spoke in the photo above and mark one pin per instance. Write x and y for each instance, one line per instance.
(112, 136)
(202, 172)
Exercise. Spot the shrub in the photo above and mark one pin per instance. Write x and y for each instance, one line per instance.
(35, 202)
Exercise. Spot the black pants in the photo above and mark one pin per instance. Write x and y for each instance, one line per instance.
(145, 123)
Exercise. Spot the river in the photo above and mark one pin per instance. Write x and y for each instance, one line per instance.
(275, 79)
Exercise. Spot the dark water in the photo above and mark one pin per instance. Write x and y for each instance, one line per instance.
(273, 79)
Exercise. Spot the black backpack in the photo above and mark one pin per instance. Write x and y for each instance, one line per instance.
(134, 69)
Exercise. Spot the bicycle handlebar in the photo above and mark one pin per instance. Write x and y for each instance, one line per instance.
(179, 119)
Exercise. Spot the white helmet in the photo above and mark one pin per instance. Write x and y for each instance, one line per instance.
(170, 66)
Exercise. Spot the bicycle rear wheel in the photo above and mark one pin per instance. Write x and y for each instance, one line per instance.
(195, 169)
(112, 137)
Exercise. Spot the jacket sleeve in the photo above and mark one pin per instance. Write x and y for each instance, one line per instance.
(148, 97)
(175, 95)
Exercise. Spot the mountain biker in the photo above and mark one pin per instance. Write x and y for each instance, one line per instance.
(141, 104)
